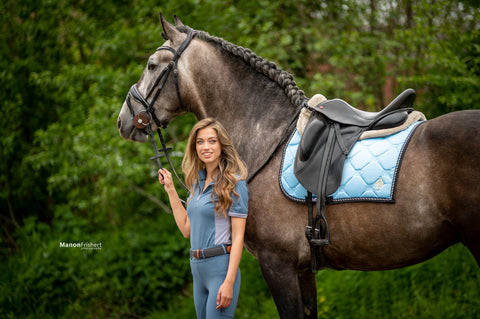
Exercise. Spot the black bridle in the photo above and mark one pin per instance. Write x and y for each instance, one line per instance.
(158, 85)
(142, 119)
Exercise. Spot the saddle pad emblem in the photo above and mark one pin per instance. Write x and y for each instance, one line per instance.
(369, 172)
(379, 183)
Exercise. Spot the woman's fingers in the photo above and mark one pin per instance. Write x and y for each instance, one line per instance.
(160, 176)
(224, 296)
(165, 177)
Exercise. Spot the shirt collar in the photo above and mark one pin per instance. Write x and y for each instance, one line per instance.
(202, 175)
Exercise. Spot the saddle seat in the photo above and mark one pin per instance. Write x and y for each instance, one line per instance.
(340, 111)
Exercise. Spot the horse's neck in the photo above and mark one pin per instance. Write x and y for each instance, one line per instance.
(254, 109)
(256, 127)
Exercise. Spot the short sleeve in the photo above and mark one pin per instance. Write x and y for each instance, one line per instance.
(240, 205)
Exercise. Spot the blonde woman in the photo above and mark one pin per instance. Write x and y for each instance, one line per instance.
(215, 217)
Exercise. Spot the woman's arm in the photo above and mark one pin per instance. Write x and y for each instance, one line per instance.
(225, 292)
(179, 212)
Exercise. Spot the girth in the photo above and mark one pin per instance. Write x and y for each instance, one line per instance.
(331, 131)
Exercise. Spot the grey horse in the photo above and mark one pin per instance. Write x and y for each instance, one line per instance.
(437, 192)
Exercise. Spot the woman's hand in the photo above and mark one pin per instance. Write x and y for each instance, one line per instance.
(165, 178)
(179, 212)
(225, 295)
(225, 292)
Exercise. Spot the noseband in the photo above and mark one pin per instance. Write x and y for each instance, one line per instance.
(142, 119)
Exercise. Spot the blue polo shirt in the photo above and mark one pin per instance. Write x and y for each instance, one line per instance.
(208, 229)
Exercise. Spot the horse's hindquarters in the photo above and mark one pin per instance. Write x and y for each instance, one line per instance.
(436, 202)
(454, 142)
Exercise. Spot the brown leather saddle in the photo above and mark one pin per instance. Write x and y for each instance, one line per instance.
(331, 131)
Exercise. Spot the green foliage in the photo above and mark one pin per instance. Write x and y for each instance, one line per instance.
(444, 287)
(142, 264)
(66, 175)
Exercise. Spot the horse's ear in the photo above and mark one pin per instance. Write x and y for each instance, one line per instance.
(170, 32)
(178, 23)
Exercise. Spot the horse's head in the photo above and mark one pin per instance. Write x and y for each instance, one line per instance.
(155, 99)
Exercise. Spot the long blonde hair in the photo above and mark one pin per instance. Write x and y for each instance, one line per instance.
(231, 167)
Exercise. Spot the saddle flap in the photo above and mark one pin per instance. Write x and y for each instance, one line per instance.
(321, 153)
(313, 136)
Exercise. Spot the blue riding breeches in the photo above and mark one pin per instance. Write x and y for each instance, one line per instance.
(208, 275)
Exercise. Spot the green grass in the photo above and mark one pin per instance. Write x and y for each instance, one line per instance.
(446, 286)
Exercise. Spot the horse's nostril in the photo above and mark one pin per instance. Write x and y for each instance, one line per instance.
(119, 123)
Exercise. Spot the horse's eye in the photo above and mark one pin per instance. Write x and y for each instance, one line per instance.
(151, 66)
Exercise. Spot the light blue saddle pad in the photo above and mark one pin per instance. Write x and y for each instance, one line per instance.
(369, 172)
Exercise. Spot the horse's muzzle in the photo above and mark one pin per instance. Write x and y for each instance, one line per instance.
(128, 131)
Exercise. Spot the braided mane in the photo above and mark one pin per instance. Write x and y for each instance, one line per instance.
(261, 65)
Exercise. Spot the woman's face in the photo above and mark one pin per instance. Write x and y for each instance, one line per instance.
(208, 147)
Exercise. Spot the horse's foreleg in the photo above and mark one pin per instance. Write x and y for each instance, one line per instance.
(280, 275)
